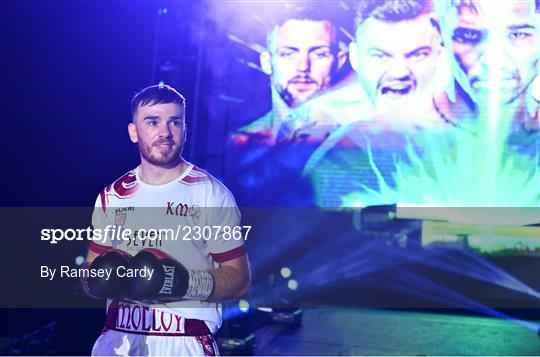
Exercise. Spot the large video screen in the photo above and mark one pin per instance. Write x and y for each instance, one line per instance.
(367, 103)
(354, 104)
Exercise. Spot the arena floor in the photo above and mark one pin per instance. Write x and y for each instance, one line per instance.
(382, 332)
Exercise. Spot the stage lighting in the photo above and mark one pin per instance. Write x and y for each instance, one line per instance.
(285, 272)
(285, 305)
(381, 223)
(292, 284)
(79, 260)
(236, 346)
(291, 317)
(283, 289)
(376, 216)
(243, 305)
(240, 320)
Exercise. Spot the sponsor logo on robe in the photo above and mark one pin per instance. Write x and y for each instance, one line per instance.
(180, 209)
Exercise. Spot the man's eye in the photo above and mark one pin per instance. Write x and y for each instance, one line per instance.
(321, 54)
(286, 54)
(379, 55)
(151, 122)
(518, 35)
(176, 123)
(420, 54)
(467, 36)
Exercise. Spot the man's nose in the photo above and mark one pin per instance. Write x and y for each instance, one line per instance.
(494, 57)
(164, 131)
(303, 62)
(399, 68)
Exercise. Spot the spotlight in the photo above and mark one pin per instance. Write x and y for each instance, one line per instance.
(285, 272)
(243, 305)
(79, 260)
(285, 306)
(236, 346)
(240, 320)
(292, 284)
(283, 289)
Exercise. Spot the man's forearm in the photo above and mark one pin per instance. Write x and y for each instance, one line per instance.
(229, 283)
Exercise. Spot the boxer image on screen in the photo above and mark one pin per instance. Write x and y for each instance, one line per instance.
(396, 56)
(495, 50)
(302, 58)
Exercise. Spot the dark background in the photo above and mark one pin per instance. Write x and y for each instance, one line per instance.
(70, 69)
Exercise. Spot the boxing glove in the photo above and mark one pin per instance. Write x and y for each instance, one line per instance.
(170, 280)
(114, 287)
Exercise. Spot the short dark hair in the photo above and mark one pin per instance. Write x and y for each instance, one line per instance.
(157, 94)
(473, 5)
(301, 11)
(390, 10)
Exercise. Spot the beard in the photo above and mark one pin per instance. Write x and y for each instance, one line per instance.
(167, 159)
(294, 100)
(286, 95)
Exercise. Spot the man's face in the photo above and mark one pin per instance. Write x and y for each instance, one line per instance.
(302, 60)
(497, 39)
(159, 131)
(395, 60)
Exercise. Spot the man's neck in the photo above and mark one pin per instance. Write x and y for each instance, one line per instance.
(526, 116)
(461, 109)
(280, 109)
(465, 109)
(160, 175)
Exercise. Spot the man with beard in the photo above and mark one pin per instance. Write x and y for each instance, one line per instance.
(395, 51)
(396, 55)
(494, 52)
(494, 47)
(175, 311)
(302, 59)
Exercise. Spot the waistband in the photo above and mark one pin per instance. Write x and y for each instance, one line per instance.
(139, 319)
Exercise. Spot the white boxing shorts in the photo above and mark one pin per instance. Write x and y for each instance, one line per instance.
(138, 330)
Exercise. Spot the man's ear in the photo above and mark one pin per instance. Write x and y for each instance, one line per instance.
(132, 130)
(434, 19)
(266, 62)
(353, 55)
(341, 58)
(184, 133)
